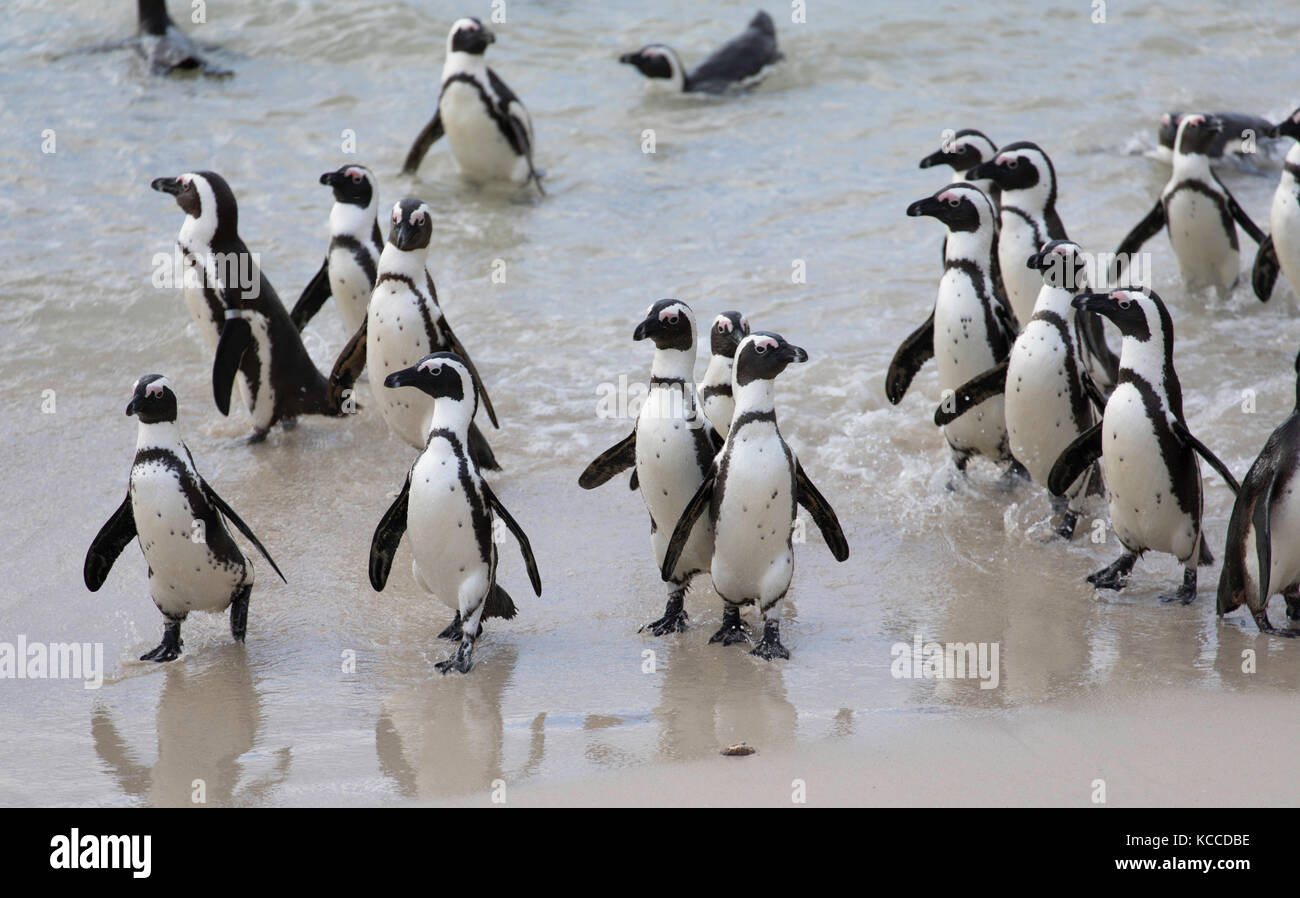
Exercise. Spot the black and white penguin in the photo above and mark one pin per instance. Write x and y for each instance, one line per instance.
(728, 330)
(1148, 456)
(671, 448)
(490, 131)
(965, 150)
(352, 260)
(403, 324)
(750, 493)
(1280, 250)
(194, 563)
(739, 63)
(457, 564)
(1238, 129)
(165, 47)
(1264, 531)
(228, 296)
(1198, 212)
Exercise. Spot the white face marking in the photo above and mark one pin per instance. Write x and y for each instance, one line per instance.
(671, 313)
(723, 324)
(431, 365)
(397, 214)
(763, 344)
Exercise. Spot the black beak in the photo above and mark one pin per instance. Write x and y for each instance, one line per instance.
(629, 58)
(1101, 303)
(645, 329)
(330, 178)
(130, 406)
(938, 157)
(928, 206)
(985, 171)
(403, 235)
(168, 185)
(1038, 261)
(405, 378)
(795, 353)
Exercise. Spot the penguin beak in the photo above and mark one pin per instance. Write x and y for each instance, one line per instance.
(629, 58)
(1100, 303)
(1037, 261)
(647, 328)
(330, 178)
(1213, 125)
(168, 185)
(928, 206)
(985, 171)
(795, 353)
(407, 377)
(938, 157)
(130, 407)
(403, 235)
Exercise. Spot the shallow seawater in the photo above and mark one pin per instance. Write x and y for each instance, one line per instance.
(334, 698)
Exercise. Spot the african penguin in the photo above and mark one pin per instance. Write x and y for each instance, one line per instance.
(728, 330)
(671, 447)
(490, 131)
(180, 521)
(1237, 129)
(966, 149)
(1198, 212)
(739, 63)
(1280, 250)
(444, 487)
(165, 47)
(223, 281)
(352, 260)
(1148, 456)
(750, 492)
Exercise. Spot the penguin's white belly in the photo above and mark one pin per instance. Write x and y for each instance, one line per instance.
(1284, 222)
(480, 148)
(669, 475)
(1015, 246)
(440, 527)
(396, 339)
(185, 576)
(1040, 419)
(752, 559)
(962, 351)
(201, 314)
(1143, 509)
(1206, 256)
(351, 288)
(718, 407)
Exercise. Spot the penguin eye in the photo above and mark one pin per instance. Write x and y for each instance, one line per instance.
(723, 327)
(1125, 303)
(760, 348)
(356, 177)
(954, 202)
(959, 149)
(672, 320)
(1013, 163)
(397, 216)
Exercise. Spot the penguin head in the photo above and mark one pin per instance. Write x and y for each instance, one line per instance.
(442, 375)
(670, 324)
(1139, 313)
(1196, 133)
(203, 196)
(1290, 126)
(728, 330)
(469, 35)
(763, 355)
(1063, 265)
(658, 62)
(966, 149)
(352, 184)
(152, 400)
(961, 206)
(412, 225)
(1020, 166)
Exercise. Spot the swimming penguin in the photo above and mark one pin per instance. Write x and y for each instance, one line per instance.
(490, 131)
(1239, 131)
(971, 328)
(165, 47)
(750, 493)
(1262, 532)
(403, 324)
(1048, 395)
(1148, 456)
(228, 297)
(728, 330)
(457, 564)
(963, 151)
(1198, 212)
(739, 63)
(672, 449)
(352, 260)
(194, 563)
(1280, 250)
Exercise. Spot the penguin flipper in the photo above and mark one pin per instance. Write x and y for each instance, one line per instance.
(221, 505)
(513, 526)
(1143, 231)
(313, 297)
(1264, 539)
(1093, 332)
(972, 393)
(1094, 392)
(1263, 274)
(236, 337)
(383, 546)
(480, 450)
(1077, 458)
(425, 139)
(634, 482)
(1239, 215)
(914, 352)
(617, 458)
(455, 345)
(109, 542)
(810, 498)
(682, 532)
(351, 361)
(1181, 431)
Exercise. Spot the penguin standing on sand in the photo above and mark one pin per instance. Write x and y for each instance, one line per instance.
(165, 47)
(739, 63)
(490, 131)
(750, 493)
(1148, 456)
(1280, 250)
(457, 563)
(194, 563)
(728, 330)
(671, 448)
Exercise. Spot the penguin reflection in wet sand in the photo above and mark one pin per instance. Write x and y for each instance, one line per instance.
(728, 330)
(1280, 250)
(671, 448)
(750, 493)
(1148, 456)
(194, 563)
(739, 63)
(448, 510)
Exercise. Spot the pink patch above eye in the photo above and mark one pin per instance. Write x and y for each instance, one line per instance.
(667, 313)
(766, 342)
(154, 389)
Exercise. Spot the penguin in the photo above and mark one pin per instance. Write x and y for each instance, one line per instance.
(403, 324)
(971, 328)
(1280, 250)
(352, 260)
(228, 297)
(457, 564)
(1262, 532)
(962, 152)
(490, 131)
(165, 47)
(180, 522)
(750, 493)
(1238, 128)
(1148, 456)
(1048, 396)
(671, 448)
(739, 63)
(1198, 211)
(728, 330)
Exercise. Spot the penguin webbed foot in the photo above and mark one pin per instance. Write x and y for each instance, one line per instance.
(170, 647)
(1266, 628)
(1014, 474)
(459, 662)
(674, 619)
(258, 435)
(1114, 576)
(1069, 521)
(769, 647)
(1186, 593)
(289, 423)
(239, 613)
(733, 629)
(453, 631)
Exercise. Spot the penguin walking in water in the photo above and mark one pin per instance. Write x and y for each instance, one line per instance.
(180, 521)
(1148, 456)
(750, 493)
(457, 564)
(1239, 131)
(1048, 396)
(1262, 556)
(739, 63)
(403, 324)
(490, 131)
(1280, 250)
(1198, 211)
(671, 449)
(352, 260)
(728, 330)
(965, 150)
(166, 48)
(240, 316)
